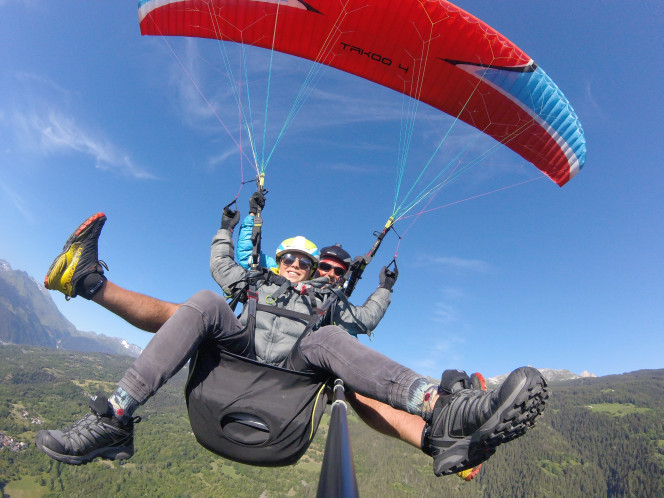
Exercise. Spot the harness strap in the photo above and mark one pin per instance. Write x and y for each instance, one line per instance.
(283, 288)
(296, 315)
(237, 293)
(312, 298)
(256, 241)
(258, 224)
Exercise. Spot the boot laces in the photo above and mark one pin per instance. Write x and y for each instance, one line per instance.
(93, 430)
(86, 432)
(470, 409)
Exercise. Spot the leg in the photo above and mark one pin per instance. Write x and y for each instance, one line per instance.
(399, 424)
(109, 434)
(205, 317)
(464, 427)
(365, 371)
(143, 312)
(387, 420)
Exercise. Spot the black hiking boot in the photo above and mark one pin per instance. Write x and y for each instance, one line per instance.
(468, 425)
(77, 269)
(98, 434)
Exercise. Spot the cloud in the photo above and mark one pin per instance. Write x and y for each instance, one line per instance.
(220, 160)
(203, 96)
(193, 103)
(446, 350)
(289, 86)
(19, 203)
(453, 262)
(446, 333)
(306, 100)
(205, 99)
(444, 313)
(351, 168)
(38, 118)
(223, 156)
(474, 265)
(591, 101)
(52, 132)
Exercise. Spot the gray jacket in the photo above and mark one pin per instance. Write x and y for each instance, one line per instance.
(276, 335)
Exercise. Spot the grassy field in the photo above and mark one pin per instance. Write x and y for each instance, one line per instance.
(618, 409)
(27, 487)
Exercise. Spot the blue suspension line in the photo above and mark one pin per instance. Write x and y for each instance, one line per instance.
(399, 210)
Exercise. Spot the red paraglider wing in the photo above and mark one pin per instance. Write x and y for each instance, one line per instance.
(430, 50)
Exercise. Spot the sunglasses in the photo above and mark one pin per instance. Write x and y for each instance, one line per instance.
(338, 270)
(288, 259)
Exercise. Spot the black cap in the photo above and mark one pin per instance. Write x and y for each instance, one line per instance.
(336, 252)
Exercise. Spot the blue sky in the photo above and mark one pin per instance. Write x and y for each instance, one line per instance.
(94, 117)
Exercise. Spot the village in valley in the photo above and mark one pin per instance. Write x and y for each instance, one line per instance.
(8, 442)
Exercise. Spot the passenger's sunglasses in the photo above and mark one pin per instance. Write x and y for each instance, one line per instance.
(338, 270)
(288, 259)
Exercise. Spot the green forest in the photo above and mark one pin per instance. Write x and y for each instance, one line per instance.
(598, 437)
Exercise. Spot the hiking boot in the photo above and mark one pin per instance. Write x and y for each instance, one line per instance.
(468, 425)
(98, 434)
(453, 381)
(77, 269)
(476, 382)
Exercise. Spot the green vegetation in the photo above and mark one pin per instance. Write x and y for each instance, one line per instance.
(614, 449)
(28, 487)
(619, 409)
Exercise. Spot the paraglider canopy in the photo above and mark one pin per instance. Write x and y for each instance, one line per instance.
(432, 51)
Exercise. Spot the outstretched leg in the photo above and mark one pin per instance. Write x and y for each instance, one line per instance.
(387, 420)
(464, 427)
(143, 312)
(405, 426)
(107, 432)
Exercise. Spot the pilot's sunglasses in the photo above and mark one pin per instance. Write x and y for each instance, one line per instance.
(338, 270)
(289, 260)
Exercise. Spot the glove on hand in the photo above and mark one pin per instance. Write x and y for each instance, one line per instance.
(229, 218)
(256, 202)
(387, 278)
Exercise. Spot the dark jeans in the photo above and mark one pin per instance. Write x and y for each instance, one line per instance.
(207, 317)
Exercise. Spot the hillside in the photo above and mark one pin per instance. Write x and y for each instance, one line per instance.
(28, 315)
(599, 437)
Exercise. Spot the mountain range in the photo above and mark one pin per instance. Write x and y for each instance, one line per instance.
(29, 316)
(549, 374)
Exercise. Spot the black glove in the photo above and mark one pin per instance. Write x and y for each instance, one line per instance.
(387, 278)
(229, 218)
(256, 202)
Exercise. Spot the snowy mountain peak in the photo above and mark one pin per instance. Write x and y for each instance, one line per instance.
(551, 375)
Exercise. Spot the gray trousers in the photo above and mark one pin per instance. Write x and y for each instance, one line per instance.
(208, 317)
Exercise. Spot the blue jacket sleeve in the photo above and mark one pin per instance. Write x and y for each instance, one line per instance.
(244, 247)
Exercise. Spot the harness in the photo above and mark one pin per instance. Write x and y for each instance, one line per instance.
(254, 412)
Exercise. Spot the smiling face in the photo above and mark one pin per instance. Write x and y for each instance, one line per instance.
(295, 266)
(331, 268)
